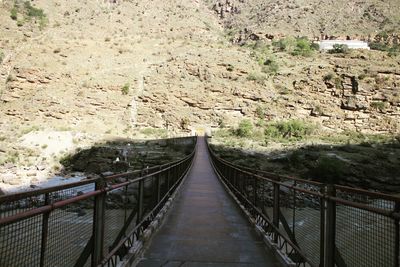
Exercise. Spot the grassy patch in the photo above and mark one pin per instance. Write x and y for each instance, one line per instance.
(296, 46)
(291, 129)
(154, 132)
(379, 105)
(264, 56)
(28, 13)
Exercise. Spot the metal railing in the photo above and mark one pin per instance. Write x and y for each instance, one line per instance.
(89, 223)
(316, 224)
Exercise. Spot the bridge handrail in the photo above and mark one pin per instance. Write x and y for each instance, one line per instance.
(277, 177)
(255, 189)
(21, 195)
(153, 186)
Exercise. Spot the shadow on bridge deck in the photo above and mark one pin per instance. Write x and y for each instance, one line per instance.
(205, 227)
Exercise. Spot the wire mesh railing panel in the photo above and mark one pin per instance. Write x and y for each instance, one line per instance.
(84, 221)
(115, 215)
(323, 224)
(307, 225)
(287, 211)
(150, 194)
(267, 197)
(364, 238)
(69, 231)
(71, 192)
(20, 243)
(11, 208)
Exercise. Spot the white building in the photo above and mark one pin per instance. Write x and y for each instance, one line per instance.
(352, 44)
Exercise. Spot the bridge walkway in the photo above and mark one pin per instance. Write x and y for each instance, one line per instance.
(205, 227)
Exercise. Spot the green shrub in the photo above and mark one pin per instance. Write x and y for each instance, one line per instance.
(14, 13)
(296, 46)
(260, 112)
(393, 50)
(244, 129)
(338, 83)
(125, 89)
(270, 66)
(329, 76)
(66, 160)
(185, 123)
(33, 11)
(362, 76)
(315, 46)
(257, 77)
(339, 49)
(287, 44)
(272, 132)
(303, 48)
(29, 12)
(1, 56)
(379, 46)
(289, 129)
(383, 35)
(378, 105)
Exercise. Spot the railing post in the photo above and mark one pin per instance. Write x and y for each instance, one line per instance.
(275, 218)
(158, 186)
(397, 237)
(172, 171)
(45, 230)
(234, 178)
(98, 223)
(330, 228)
(255, 191)
(322, 228)
(140, 201)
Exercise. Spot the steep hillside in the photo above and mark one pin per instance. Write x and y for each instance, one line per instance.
(74, 78)
(311, 18)
(74, 73)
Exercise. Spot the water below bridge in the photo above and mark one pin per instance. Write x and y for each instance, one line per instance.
(205, 226)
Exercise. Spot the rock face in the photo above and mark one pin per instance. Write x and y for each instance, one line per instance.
(314, 18)
(225, 7)
(122, 157)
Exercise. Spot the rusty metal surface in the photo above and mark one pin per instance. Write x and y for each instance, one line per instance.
(205, 227)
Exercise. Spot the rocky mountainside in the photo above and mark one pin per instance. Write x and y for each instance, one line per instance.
(312, 18)
(74, 73)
